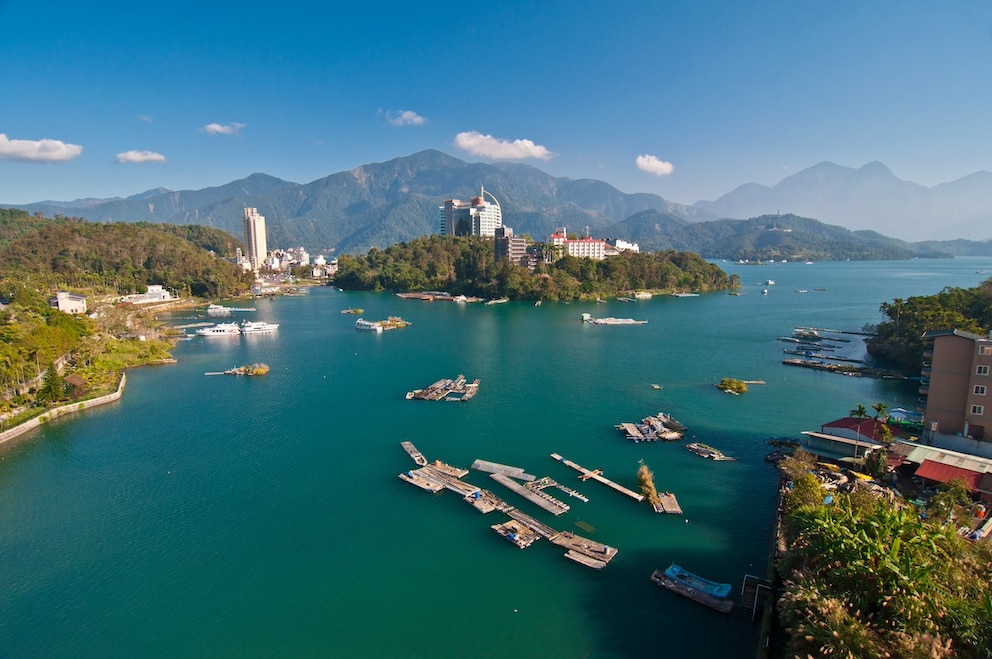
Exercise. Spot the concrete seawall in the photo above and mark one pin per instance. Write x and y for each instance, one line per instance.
(62, 410)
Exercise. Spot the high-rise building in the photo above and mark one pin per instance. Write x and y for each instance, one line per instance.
(476, 217)
(587, 247)
(507, 247)
(255, 238)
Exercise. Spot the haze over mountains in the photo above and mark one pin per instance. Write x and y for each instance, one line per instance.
(383, 203)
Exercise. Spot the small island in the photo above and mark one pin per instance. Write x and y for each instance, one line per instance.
(732, 386)
(247, 369)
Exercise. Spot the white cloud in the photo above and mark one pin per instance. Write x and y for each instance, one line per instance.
(224, 129)
(145, 118)
(37, 150)
(405, 118)
(652, 165)
(488, 146)
(140, 156)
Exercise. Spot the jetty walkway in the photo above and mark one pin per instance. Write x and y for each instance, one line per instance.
(597, 476)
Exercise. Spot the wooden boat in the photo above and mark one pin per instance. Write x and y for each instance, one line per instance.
(695, 581)
(720, 604)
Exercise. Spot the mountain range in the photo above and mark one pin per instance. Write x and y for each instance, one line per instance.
(379, 204)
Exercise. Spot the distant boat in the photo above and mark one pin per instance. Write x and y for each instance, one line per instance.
(764, 292)
(685, 294)
(258, 327)
(537, 304)
(587, 318)
(353, 310)
(368, 325)
(501, 300)
(642, 295)
(769, 282)
(220, 329)
(218, 310)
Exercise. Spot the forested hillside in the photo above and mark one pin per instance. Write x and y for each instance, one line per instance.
(465, 265)
(900, 338)
(72, 253)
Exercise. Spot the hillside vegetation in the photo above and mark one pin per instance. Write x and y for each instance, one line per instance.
(900, 338)
(465, 265)
(72, 253)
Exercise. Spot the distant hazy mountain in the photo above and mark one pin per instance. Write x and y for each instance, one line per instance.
(383, 203)
(778, 237)
(873, 198)
(379, 204)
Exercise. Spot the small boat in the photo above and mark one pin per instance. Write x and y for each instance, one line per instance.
(764, 292)
(642, 295)
(537, 304)
(258, 327)
(625, 299)
(368, 325)
(695, 581)
(501, 300)
(218, 310)
(220, 329)
(587, 318)
(706, 451)
(685, 294)
(356, 311)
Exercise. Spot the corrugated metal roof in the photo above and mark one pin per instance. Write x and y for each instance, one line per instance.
(942, 473)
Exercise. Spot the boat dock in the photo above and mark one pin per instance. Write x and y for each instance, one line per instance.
(547, 482)
(535, 496)
(417, 456)
(597, 476)
(457, 389)
(422, 481)
(506, 470)
(585, 551)
(457, 472)
(519, 534)
(668, 504)
(486, 502)
(716, 603)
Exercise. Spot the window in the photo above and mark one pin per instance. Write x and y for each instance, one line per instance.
(985, 350)
(982, 370)
(977, 410)
(979, 389)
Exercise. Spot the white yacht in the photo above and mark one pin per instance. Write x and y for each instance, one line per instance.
(220, 329)
(257, 327)
(368, 325)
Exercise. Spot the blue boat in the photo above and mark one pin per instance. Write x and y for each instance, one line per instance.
(696, 582)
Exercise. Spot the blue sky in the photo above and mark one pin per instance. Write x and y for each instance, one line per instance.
(687, 100)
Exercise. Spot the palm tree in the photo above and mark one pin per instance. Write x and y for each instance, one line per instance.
(880, 411)
(860, 412)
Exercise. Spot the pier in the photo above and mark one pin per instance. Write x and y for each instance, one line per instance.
(443, 467)
(506, 470)
(597, 476)
(535, 496)
(422, 481)
(486, 502)
(457, 389)
(547, 482)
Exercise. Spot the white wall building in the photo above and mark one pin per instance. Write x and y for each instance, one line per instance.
(67, 302)
(255, 245)
(587, 247)
(155, 293)
(476, 217)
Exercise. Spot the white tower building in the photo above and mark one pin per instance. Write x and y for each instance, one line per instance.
(255, 238)
(476, 217)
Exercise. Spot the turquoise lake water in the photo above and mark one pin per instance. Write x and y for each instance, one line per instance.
(222, 516)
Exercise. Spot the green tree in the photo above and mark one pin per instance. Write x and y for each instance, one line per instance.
(53, 388)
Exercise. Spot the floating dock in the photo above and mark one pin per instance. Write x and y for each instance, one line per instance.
(716, 603)
(486, 502)
(412, 451)
(597, 476)
(422, 481)
(443, 467)
(585, 551)
(506, 470)
(535, 496)
(547, 482)
(668, 504)
(519, 534)
(457, 389)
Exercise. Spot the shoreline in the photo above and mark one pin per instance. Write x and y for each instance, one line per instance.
(62, 410)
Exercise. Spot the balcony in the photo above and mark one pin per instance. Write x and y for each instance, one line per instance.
(924, 389)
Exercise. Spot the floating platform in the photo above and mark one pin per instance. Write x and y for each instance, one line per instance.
(668, 504)
(486, 502)
(506, 470)
(547, 482)
(456, 389)
(443, 467)
(660, 426)
(519, 534)
(585, 551)
(706, 451)
(535, 496)
(716, 603)
(422, 481)
(412, 451)
(597, 476)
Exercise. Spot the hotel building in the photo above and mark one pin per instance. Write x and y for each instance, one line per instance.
(254, 225)
(476, 217)
(955, 384)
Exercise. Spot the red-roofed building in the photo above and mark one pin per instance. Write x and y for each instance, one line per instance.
(855, 428)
